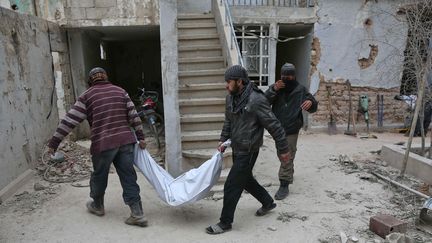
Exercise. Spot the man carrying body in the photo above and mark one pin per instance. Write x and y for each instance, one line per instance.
(247, 113)
(110, 114)
(289, 99)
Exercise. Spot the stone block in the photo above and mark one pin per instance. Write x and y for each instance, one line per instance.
(97, 13)
(105, 3)
(384, 225)
(80, 3)
(75, 13)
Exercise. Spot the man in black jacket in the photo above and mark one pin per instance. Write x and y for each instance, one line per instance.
(247, 113)
(289, 99)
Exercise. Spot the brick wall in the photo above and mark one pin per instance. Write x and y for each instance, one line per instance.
(111, 12)
(394, 111)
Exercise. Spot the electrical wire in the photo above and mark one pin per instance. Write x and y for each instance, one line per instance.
(282, 40)
(68, 163)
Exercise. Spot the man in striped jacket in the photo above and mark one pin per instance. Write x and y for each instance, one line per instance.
(110, 114)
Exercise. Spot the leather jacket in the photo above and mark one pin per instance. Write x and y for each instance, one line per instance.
(286, 106)
(246, 127)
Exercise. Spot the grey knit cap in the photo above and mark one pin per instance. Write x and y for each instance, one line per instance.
(96, 70)
(288, 69)
(236, 72)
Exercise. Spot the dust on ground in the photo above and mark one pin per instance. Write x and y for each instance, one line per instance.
(333, 192)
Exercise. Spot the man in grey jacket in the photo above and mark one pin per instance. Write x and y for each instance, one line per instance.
(247, 113)
(289, 99)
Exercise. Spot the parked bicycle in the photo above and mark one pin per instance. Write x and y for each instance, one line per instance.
(147, 112)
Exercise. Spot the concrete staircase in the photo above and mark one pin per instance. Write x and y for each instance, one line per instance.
(201, 89)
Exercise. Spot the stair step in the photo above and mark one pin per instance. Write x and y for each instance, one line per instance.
(198, 37)
(202, 102)
(199, 73)
(195, 16)
(199, 47)
(209, 86)
(196, 25)
(203, 154)
(201, 59)
(194, 118)
(197, 136)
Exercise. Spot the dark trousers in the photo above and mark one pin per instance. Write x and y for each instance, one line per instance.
(122, 158)
(240, 178)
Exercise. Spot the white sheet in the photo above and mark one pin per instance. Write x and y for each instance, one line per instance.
(189, 187)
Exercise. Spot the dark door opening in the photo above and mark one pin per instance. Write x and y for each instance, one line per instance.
(296, 51)
(130, 55)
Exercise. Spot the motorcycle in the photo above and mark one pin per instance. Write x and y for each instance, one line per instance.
(147, 112)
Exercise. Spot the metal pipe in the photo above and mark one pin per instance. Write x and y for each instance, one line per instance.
(400, 185)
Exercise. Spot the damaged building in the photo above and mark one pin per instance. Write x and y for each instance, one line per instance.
(180, 49)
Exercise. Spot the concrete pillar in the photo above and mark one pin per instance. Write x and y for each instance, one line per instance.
(5, 4)
(169, 59)
(79, 77)
(273, 32)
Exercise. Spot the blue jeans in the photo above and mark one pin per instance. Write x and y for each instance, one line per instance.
(122, 157)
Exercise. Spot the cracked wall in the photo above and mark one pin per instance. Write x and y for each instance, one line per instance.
(362, 42)
(26, 85)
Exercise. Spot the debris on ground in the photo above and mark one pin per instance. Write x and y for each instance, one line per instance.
(76, 165)
(287, 217)
(343, 237)
(217, 196)
(271, 228)
(28, 201)
(38, 186)
(398, 238)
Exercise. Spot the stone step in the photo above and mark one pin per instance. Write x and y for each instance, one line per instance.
(196, 25)
(198, 37)
(196, 157)
(194, 51)
(202, 73)
(201, 126)
(202, 91)
(200, 139)
(196, 60)
(195, 17)
(201, 63)
(209, 135)
(202, 105)
(201, 102)
(197, 31)
(197, 118)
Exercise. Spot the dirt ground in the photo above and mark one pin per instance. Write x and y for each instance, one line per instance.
(331, 194)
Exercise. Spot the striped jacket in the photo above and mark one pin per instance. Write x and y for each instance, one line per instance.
(110, 114)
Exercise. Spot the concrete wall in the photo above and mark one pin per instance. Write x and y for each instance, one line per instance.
(26, 84)
(194, 6)
(111, 12)
(347, 43)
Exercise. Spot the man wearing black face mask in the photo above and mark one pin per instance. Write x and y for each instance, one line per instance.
(289, 99)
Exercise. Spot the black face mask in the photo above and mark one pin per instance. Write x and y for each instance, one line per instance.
(290, 85)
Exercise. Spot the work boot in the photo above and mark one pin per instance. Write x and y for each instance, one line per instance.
(283, 191)
(96, 206)
(137, 216)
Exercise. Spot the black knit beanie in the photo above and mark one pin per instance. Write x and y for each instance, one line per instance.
(236, 72)
(288, 69)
